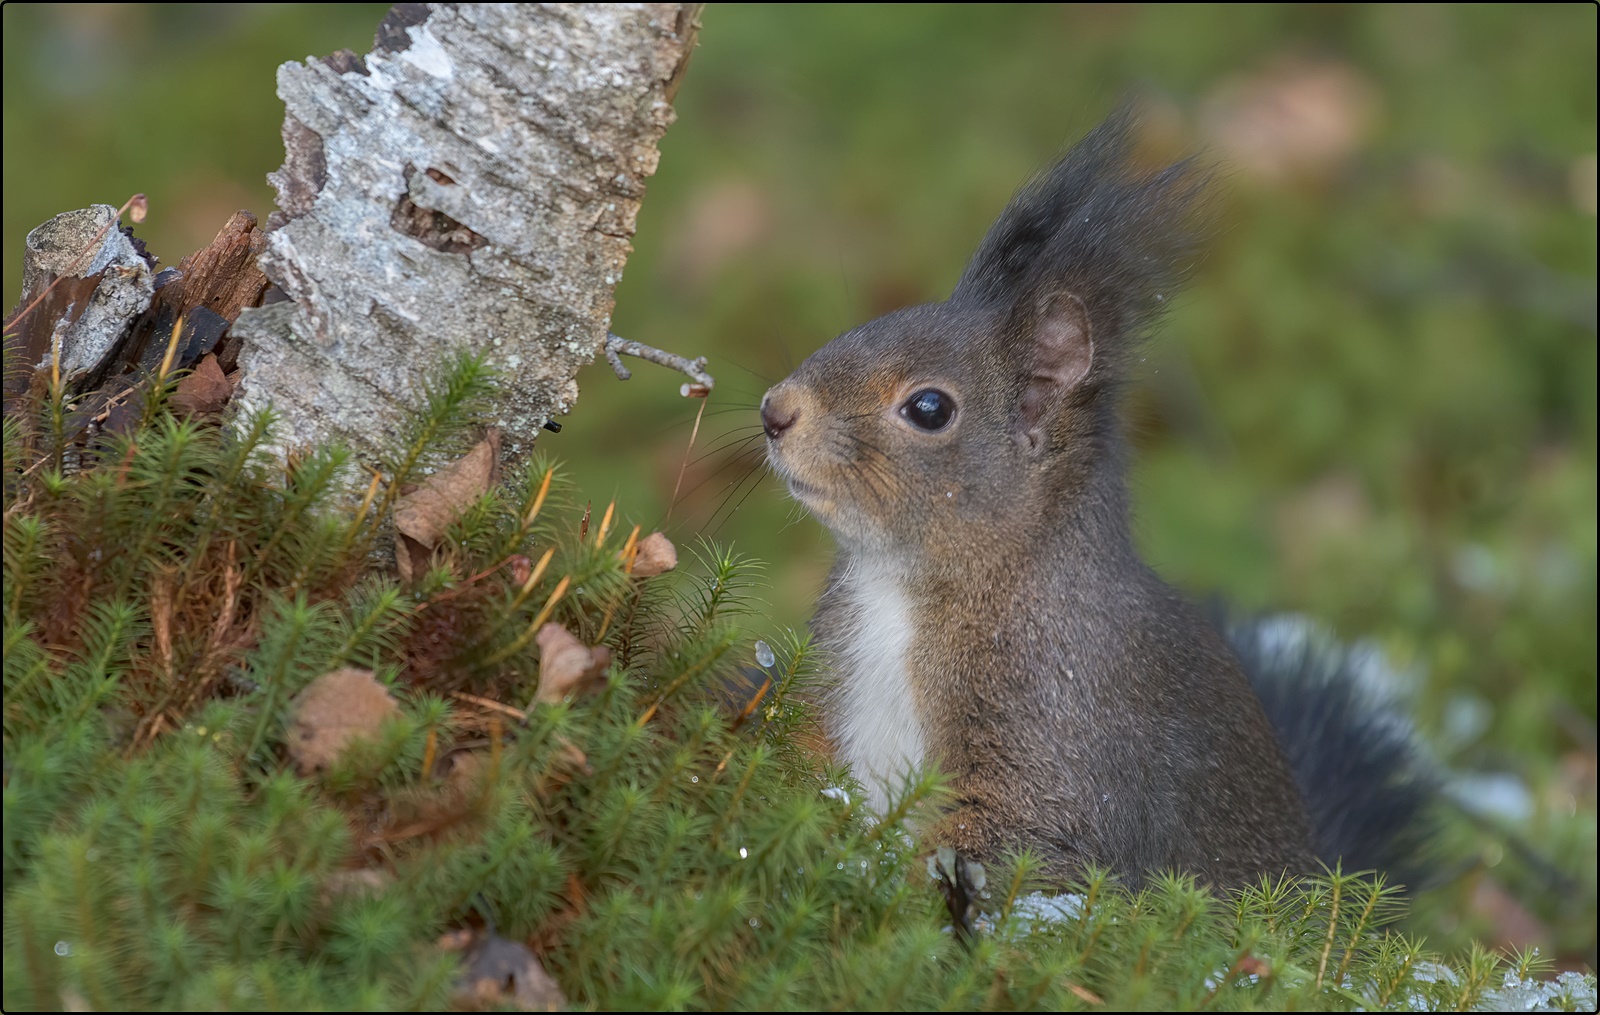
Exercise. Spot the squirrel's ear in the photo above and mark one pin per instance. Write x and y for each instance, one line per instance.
(1062, 353)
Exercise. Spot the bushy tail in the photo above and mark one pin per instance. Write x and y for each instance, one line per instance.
(1367, 787)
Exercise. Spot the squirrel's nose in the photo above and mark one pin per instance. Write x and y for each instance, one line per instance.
(777, 415)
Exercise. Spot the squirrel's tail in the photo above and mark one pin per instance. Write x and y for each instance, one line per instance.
(1368, 788)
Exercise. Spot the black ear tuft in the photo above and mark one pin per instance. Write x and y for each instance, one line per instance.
(1100, 228)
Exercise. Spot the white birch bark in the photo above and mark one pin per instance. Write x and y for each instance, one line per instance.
(473, 182)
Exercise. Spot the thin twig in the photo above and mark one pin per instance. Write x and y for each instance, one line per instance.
(617, 347)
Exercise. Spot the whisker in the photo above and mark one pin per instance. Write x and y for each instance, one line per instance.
(733, 491)
(742, 458)
(753, 408)
(763, 378)
(735, 510)
(726, 441)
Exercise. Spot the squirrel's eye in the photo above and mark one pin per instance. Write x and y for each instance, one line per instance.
(929, 409)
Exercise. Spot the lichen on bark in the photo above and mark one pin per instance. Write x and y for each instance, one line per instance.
(473, 182)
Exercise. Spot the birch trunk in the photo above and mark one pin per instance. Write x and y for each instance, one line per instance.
(473, 182)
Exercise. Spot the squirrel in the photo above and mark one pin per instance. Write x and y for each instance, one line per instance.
(988, 611)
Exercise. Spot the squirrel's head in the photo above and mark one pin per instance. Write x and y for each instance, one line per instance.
(955, 421)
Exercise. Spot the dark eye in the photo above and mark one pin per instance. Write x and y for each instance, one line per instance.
(929, 409)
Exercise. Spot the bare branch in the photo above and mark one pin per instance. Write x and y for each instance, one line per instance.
(695, 369)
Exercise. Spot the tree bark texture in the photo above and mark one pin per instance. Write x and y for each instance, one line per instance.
(472, 183)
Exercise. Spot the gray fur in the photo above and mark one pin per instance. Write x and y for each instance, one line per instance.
(1080, 705)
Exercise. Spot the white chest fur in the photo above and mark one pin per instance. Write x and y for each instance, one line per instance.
(874, 718)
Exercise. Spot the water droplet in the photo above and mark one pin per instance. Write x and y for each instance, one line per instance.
(63, 949)
(755, 924)
(744, 854)
(694, 778)
(839, 866)
(764, 656)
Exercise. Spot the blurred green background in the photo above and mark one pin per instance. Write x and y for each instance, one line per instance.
(1376, 404)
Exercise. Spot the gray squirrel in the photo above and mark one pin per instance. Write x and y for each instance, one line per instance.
(988, 611)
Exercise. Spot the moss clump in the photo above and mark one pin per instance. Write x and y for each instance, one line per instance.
(170, 590)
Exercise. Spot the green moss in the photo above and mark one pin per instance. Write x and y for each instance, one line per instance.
(169, 591)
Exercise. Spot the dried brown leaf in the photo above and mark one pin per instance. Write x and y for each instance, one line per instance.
(205, 390)
(333, 710)
(521, 569)
(422, 516)
(655, 555)
(467, 771)
(567, 666)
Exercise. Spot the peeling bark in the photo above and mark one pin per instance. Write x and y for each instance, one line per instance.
(472, 182)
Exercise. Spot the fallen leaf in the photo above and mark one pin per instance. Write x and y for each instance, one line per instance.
(496, 971)
(204, 390)
(521, 569)
(654, 555)
(333, 710)
(567, 666)
(422, 516)
(466, 773)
